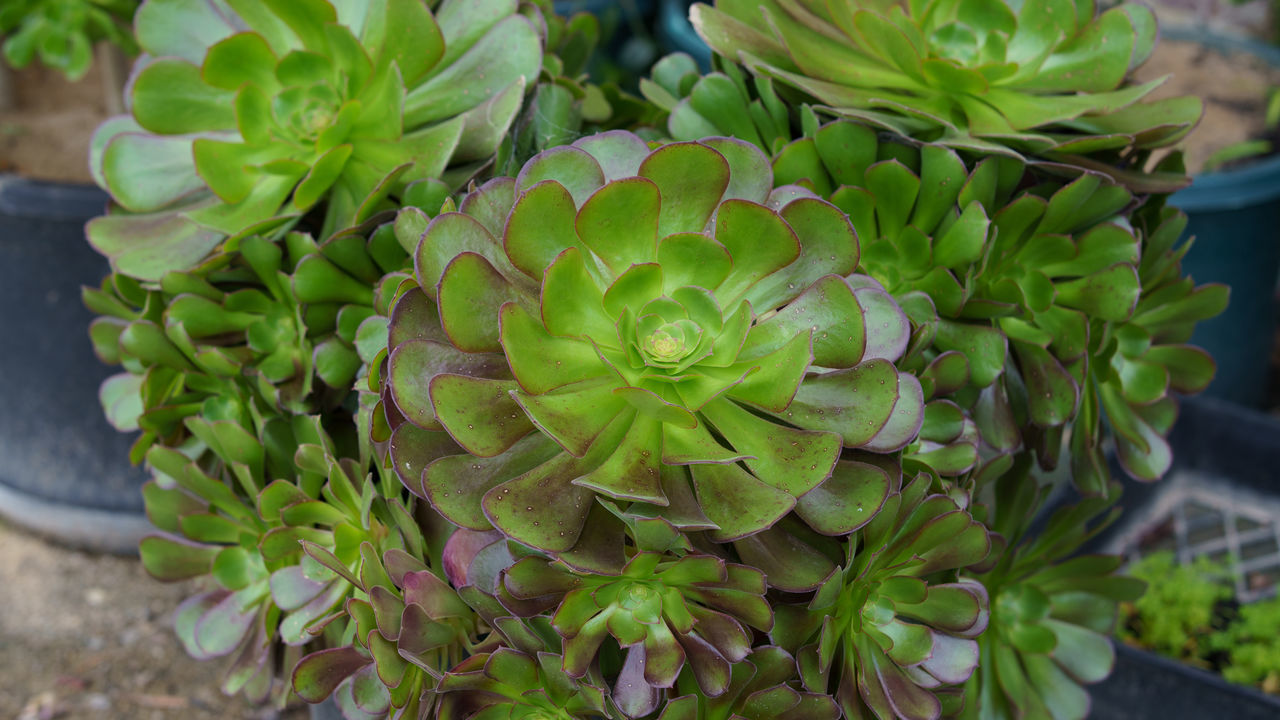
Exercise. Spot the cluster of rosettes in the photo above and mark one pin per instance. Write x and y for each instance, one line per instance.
(649, 388)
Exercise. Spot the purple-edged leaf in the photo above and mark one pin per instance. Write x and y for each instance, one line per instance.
(663, 656)
(618, 152)
(414, 449)
(532, 577)
(790, 460)
(470, 295)
(789, 564)
(847, 500)
(415, 317)
(692, 179)
(188, 613)
(619, 223)
(953, 659)
(888, 330)
(985, 347)
(291, 588)
(1052, 394)
(828, 245)
(908, 415)
(540, 227)
(454, 485)
(828, 308)
(540, 361)
(169, 558)
(317, 675)
(711, 670)
(632, 471)
(223, 627)
(542, 508)
(737, 502)
(434, 595)
(1190, 368)
(881, 679)
(581, 648)
(956, 608)
(480, 414)
(857, 402)
(363, 695)
(414, 363)
(460, 552)
(296, 626)
(447, 237)
(575, 415)
(634, 695)
(759, 241)
(419, 634)
(573, 168)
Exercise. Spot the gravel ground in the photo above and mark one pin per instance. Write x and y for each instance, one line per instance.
(90, 637)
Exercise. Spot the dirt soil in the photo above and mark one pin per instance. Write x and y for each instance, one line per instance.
(90, 637)
(46, 135)
(1233, 87)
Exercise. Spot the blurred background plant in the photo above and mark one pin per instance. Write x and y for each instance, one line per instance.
(62, 33)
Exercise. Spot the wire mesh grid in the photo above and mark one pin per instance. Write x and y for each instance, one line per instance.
(1198, 514)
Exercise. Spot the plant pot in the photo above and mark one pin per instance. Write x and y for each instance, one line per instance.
(1234, 215)
(1225, 457)
(626, 48)
(1149, 687)
(64, 471)
(676, 33)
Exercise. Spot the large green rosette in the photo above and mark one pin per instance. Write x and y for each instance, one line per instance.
(656, 327)
(248, 114)
(991, 76)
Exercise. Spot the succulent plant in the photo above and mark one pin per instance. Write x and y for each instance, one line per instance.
(761, 688)
(409, 628)
(664, 610)
(247, 534)
(62, 32)
(1044, 78)
(614, 347)
(277, 108)
(894, 627)
(1052, 612)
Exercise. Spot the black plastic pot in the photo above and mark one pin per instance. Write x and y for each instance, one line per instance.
(64, 472)
(1149, 687)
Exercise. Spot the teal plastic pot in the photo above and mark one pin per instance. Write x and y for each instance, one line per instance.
(627, 47)
(676, 33)
(1235, 217)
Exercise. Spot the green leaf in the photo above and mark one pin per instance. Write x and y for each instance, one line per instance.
(691, 179)
(171, 98)
(736, 501)
(470, 295)
(620, 222)
(480, 414)
(847, 500)
(169, 559)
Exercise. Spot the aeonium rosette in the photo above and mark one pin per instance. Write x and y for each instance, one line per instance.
(656, 327)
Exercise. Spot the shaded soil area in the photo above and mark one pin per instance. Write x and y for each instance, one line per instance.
(1233, 87)
(90, 637)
